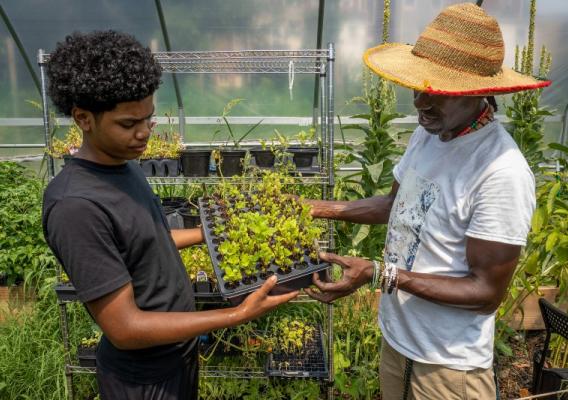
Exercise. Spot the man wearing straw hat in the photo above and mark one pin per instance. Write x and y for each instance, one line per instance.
(458, 212)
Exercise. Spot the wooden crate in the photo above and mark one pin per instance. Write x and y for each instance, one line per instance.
(13, 299)
(530, 318)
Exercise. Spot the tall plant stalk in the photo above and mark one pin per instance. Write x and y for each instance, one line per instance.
(544, 258)
(525, 113)
(377, 155)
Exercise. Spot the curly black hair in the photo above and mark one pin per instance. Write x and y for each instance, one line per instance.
(98, 70)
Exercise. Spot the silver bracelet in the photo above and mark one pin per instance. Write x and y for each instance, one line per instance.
(376, 275)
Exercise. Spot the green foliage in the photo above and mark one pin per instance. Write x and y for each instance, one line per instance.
(377, 156)
(526, 116)
(357, 346)
(195, 259)
(69, 145)
(189, 191)
(253, 389)
(33, 356)
(163, 145)
(291, 334)
(544, 260)
(260, 225)
(231, 134)
(22, 245)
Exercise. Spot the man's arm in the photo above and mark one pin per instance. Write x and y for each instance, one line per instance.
(187, 237)
(373, 210)
(492, 265)
(128, 327)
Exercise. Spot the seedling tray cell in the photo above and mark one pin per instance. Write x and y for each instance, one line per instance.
(299, 277)
(310, 363)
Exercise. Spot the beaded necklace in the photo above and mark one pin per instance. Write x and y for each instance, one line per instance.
(484, 118)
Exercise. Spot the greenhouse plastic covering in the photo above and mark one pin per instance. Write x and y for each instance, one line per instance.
(352, 25)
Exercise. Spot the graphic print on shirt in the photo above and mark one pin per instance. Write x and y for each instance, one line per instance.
(414, 198)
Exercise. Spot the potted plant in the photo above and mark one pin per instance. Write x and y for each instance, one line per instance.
(87, 349)
(195, 162)
(199, 268)
(264, 157)
(230, 159)
(69, 145)
(161, 157)
(297, 350)
(303, 155)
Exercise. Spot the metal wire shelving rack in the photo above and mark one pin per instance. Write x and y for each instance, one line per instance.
(316, 62)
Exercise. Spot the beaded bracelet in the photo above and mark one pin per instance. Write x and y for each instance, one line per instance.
(390, 279)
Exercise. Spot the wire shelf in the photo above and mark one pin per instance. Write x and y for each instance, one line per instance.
(76, 369)
(215, 180)
(231, 372)
(244, 61)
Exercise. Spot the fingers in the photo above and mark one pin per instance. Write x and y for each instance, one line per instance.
(267, 286)
(333, 258)
(338, 286)
(324, 297)
(282, 298)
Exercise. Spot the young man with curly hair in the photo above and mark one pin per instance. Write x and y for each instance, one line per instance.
(108, 230)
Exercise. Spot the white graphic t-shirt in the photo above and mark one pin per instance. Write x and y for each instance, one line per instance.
(479, 186)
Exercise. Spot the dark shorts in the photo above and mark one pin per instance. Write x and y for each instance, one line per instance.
(181, 386)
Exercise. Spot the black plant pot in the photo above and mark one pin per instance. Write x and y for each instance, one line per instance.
(160, 168)
(174, 219)
(66, 291)
(303, 157)
(231, 162)
(263, 158)
(175, 202)
(87, 356)
(195, 162)
(148, 167)
(191, 218)
(167, 167)
(66, 158)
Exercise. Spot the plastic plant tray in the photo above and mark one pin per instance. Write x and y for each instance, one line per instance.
(66, 291)
(299, 277)
(311, 363)
(87, 356)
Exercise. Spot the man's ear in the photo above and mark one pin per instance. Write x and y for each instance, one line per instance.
(83, 118)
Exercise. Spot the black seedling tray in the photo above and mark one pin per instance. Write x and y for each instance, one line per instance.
(66, 291)
(298, 278)
(87, 356)
(311, 363)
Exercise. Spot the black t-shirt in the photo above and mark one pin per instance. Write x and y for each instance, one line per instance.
(107, 228)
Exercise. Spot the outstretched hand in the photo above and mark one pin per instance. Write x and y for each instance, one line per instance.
(356, 272)
(260, 302)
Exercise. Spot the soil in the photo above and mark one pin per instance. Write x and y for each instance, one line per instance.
(515, 372)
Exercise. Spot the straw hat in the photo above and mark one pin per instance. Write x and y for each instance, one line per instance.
(459, 54)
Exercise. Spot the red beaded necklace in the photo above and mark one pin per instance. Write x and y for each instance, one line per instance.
(484, 118)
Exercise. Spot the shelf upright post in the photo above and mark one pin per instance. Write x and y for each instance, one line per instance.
(323, 128)
(331, 182)
(45, 107)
